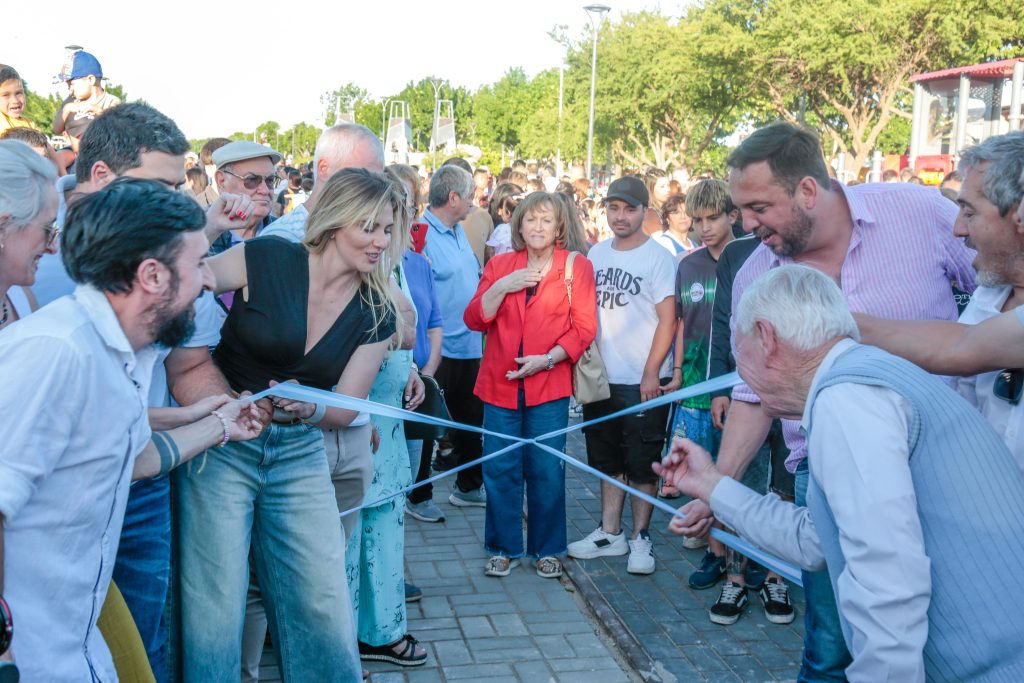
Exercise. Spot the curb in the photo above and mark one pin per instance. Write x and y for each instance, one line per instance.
(630, 648)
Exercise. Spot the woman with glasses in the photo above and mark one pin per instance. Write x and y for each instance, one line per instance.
(28, 208)
(535, 330)
(321, 313)
(676, 223)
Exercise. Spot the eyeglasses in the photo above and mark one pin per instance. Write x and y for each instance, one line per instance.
(251, 181)
(1009, 385)
(52, 232)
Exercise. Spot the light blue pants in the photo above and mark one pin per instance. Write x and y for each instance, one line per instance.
(273, 492)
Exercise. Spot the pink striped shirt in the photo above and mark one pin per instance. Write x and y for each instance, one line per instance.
(901, 262)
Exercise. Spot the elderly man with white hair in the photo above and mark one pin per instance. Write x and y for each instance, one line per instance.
(910, 492)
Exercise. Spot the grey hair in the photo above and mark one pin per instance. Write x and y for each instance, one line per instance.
(26, 181)
(1003, 184)
(339, 142)
(446, 180)
(805, 307)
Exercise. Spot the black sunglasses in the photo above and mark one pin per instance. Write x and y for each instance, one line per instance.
(1009, 385)
(251, 181)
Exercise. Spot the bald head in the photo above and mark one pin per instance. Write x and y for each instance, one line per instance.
(347, 145)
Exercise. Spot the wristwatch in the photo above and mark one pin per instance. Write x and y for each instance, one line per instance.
(551, 361)
(6, 626)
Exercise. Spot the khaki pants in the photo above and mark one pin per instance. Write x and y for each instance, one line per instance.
(350, 461)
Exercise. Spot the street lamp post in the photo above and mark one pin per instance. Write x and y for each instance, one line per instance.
(596, 14)
(433, 132)
(383, 121)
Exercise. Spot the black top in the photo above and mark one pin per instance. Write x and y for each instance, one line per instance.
(730, 261)
(264, 338)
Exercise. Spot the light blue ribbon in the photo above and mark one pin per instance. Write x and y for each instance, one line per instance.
(297, 392)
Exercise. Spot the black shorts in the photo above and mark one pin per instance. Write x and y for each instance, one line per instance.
(628, 445)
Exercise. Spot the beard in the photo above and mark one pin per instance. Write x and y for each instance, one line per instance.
(800, 230)
(171, 328)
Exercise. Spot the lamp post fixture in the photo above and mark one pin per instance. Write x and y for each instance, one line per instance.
(384, 121)
(596, 14)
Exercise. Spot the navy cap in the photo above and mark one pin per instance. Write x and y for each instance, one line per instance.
(84, 64)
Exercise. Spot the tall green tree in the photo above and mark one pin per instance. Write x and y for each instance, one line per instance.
(851, 60)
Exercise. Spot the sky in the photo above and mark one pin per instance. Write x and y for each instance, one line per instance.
(219, 68)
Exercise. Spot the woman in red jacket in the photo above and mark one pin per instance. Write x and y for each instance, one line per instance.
(525, 377)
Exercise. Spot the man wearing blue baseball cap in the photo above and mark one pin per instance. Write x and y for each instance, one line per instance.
(87, 99)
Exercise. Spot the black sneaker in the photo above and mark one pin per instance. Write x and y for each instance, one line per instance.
(444, 461)
(412, 593)
(730, 605)
(777, 607)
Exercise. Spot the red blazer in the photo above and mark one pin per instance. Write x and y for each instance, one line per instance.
(537, 326)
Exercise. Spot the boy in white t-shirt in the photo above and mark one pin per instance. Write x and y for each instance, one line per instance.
(636, 313)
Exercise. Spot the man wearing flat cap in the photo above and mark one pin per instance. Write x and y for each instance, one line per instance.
(246, 168)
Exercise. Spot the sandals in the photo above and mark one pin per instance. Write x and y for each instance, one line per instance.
(500, 566)
(549, 567)
(386, 653)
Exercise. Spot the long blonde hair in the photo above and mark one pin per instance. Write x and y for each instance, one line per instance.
(352, 199)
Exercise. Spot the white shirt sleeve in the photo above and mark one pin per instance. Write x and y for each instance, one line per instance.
(39, 411)
(859, 456)
(778, 527)
(663, 274)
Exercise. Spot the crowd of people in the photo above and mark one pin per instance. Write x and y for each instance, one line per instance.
(157, 524)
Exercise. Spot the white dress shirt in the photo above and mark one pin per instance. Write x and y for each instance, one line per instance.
(1007, 419)
(860, 459)
(73, 416)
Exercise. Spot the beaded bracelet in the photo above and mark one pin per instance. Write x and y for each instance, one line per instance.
(227, 428)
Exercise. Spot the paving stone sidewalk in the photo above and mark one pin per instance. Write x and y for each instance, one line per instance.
(658, 623)
(516, 629)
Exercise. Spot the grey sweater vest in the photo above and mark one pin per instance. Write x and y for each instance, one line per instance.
(970, 499)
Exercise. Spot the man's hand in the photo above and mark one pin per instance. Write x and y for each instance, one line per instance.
(696, 524)
(203, 407)
(673, 384)
(719, 409)
(414, 391)
(229, 212)
(689, 468)
(650, 387)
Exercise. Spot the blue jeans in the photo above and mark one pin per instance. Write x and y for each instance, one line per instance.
(542, 473)
(143, 566)
(273, 493)
(825, 653)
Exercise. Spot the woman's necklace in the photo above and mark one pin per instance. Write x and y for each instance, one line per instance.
(546, 263)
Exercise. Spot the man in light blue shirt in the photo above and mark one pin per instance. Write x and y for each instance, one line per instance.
(456, 276)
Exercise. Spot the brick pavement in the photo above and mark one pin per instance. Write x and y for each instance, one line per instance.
(659, 624)
(516, 629)
(599, 624)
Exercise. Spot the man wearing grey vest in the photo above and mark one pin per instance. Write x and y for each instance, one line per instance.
(910, 490)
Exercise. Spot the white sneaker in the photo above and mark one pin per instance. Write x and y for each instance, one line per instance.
(599, 544)
(694, 543)
(641, 560)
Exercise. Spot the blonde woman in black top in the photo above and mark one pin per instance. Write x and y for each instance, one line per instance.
(320, 313)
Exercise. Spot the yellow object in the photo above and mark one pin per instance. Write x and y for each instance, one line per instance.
(7, 122)
(119, 632)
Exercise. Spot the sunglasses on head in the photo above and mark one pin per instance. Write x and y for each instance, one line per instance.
(1009, 385)
(251, 181)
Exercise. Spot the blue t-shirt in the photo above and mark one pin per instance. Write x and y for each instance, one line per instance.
(424, 297)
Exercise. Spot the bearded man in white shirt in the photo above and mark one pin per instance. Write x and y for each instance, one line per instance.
(910, 490)
(73, 409)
